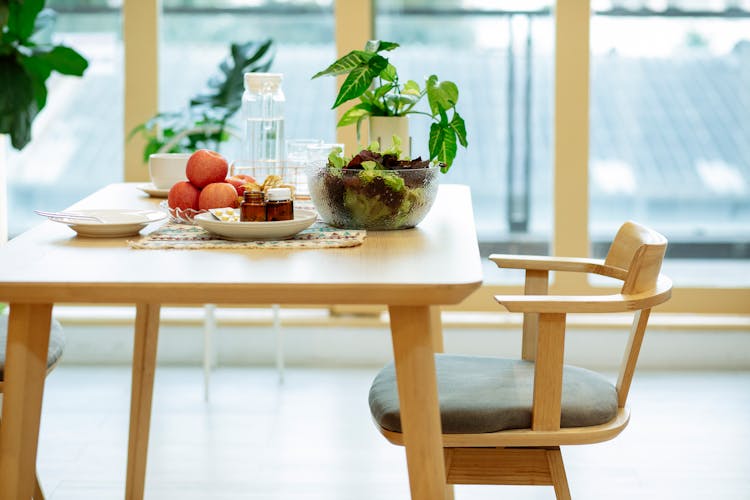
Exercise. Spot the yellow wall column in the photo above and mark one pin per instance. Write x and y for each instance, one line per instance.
(355, 25)
(140, 33)
(571, 148)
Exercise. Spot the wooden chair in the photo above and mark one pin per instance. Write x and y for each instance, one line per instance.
(54, 353)
(504, 420)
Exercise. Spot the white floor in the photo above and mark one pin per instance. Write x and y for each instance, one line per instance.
(312, 438)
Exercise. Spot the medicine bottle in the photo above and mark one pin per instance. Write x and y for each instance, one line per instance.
(279, 205)
(253, 207)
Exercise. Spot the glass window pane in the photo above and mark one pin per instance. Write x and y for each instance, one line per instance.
(196, 39)
(669, 129)
(502, 60)
(76, 147)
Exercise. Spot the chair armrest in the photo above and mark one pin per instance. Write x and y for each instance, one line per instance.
(546, 263)
(588, 303)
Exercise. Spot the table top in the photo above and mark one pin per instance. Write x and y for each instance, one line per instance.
(435, 263)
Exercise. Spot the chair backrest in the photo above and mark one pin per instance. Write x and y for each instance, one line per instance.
(639, 251)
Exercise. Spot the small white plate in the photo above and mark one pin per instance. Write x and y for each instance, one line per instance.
(115, 222)
(153, 191)
(249, 231)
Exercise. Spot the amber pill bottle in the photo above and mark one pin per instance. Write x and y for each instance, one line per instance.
(253, 207)
(279, 205)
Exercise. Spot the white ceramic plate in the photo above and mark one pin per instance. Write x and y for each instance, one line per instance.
(248, 231)
(115, 222)
(153, 191)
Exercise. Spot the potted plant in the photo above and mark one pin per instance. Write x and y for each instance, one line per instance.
(27, 59)
(373, 80)
(204, 123)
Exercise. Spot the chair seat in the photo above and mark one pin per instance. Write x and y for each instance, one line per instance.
(483, 394)
(56, 343)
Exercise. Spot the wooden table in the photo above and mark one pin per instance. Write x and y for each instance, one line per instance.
(412, 271)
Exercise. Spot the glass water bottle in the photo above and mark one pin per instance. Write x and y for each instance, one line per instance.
(262, 151)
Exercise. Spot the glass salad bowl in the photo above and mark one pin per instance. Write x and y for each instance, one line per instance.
(372, 199)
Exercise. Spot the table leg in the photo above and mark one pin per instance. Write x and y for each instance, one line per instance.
(436, 329)
(25, 369)
(417, 392)
(144, 368)
(436, 332)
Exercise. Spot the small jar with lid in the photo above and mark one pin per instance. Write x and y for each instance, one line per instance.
(279, 204)
(253, 207)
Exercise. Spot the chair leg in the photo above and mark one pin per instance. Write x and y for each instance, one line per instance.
(279, 333)
(38, 494)
(557, 472)
(450, 493)
(209, 333)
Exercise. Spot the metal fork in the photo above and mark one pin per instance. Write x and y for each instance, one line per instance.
(68, 215)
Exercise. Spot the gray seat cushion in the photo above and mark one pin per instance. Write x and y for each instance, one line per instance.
(56, 343)
(483, 394)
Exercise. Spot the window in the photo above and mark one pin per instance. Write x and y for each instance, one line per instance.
(669, 129)
(501, 58)
(77, 139)
(196, 37)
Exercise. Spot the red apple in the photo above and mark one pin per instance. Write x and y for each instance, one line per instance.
(205, 167)
(218, 195)
(245, 177)
(183, 195)
(239, 183)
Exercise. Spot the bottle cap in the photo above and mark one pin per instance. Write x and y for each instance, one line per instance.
(279, 194)
(258, 81)
(253, 194)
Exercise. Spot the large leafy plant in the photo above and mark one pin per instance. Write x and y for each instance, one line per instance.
(204, 123)
(27, 59)
(373, 80)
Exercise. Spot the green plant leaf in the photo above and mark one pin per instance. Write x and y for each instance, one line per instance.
(374, 46)
(459, 127)
(346, 64)
(228, 84)
(377, 64)
(381, 91)
(61, 59)
(441, 94)
(442, 145)
(389, 74)
(359, 80)
(17, 102)
(401, 102)
(353, 115)
(412, 88)
(39, 71)
(21, 17)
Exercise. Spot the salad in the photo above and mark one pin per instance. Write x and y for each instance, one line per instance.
(373, 189)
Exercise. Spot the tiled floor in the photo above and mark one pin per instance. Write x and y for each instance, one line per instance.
(312, 438)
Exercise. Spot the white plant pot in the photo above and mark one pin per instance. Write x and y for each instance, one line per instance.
(383, 128)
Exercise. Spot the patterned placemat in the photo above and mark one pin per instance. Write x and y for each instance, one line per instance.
(184, 236)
